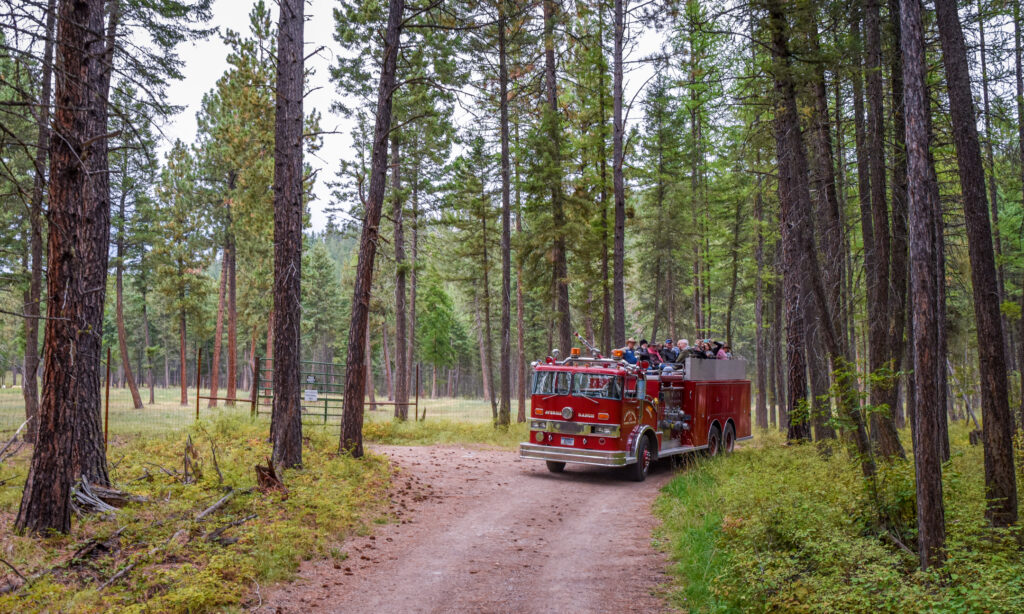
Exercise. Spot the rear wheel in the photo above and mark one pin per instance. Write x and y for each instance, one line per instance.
(729, 439)
(644, 458)
(714, 441)
(555, 466)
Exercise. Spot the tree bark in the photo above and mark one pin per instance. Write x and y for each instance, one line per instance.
(230, 252)
(761, 408)
(352, 421)
(182, 371)
(286, 419)
(149, 359)
(560, 269)
(792, 221)
(880, 308)
(993, 193)
(369, 368)
(618, 183)
(29, 382)
(505, 368)
(1018, 70)
(927, 412)
(69, 442)
(997, 423)
(218, 330)
(520, 329)
(397, 215)
(388, 373)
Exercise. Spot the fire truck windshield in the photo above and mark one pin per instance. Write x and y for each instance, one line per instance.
(591, 385)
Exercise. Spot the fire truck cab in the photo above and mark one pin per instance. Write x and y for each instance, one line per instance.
(607, 412)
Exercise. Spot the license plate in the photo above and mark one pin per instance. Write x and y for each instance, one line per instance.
(568, 441)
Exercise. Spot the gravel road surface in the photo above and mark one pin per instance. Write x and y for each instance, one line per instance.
(481, 531)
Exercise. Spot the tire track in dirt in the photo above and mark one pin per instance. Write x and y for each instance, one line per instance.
(480, 530)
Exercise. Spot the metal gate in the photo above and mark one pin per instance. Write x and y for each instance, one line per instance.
(322, 385)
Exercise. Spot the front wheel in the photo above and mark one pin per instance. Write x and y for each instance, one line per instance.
(714, 442)
(555, 466)
(644, 456)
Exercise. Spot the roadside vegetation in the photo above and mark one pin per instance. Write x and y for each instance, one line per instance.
(430, 432)
(168, 560)
(795, 529)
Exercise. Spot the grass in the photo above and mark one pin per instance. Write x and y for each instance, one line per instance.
(793, 528)
(445, 432)
(175, 568)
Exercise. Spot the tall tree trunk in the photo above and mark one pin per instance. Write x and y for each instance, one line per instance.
(927, 412)
(618, 183)
(218, 330)
(997, 423)
(880, 307)
(229, 253)
(734, 276)
(352, 422)
(397, 214)
(411, 349)
(792, 221)
(122, 334)
(369, 368)
(29, 383)
(485, 372)
(778, 365)
(520, 329)
(69, 442)
(182, 373)
(993, 193)
(898, 284)
(286, 420)
(761, 411)
(1018, 70)
(505, 395)
(149, 358)
(799, 251)
(388, 373)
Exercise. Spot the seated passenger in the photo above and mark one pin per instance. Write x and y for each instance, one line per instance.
(705, 347)
(722, 354)
(668, 352)
(629, 352)
(728, 352)
(655, 355)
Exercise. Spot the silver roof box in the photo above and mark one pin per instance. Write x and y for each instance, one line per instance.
(712, 369)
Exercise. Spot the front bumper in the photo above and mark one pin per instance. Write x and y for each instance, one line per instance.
(601, 458)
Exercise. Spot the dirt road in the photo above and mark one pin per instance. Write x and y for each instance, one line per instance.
(482, 531)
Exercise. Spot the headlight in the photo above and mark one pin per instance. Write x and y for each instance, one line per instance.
(538, 425)
(603, 430)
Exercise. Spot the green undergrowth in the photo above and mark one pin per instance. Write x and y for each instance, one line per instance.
(775, 528)
(430, 432)
(174, 568)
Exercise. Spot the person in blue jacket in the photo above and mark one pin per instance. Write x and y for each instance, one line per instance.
(629, 352)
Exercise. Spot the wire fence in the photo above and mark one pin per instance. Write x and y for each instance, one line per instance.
(168, 415)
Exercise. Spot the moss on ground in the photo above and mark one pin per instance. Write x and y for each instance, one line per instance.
(795, 529)
(173, 567)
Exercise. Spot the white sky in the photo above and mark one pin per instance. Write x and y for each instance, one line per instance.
(205, 61)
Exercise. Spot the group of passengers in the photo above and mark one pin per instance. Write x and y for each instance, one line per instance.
(657, 354)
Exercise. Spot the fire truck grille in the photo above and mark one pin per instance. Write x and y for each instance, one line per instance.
(569, 428)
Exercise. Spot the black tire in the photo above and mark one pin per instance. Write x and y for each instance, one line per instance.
(714, 442)
(729, 439)
(644, 459)
(555, 466)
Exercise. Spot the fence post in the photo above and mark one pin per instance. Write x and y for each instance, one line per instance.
(106, 413)
(255, 385)
(418, 395)
(199, 372)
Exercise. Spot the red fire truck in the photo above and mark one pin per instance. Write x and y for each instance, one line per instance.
(607, 412)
